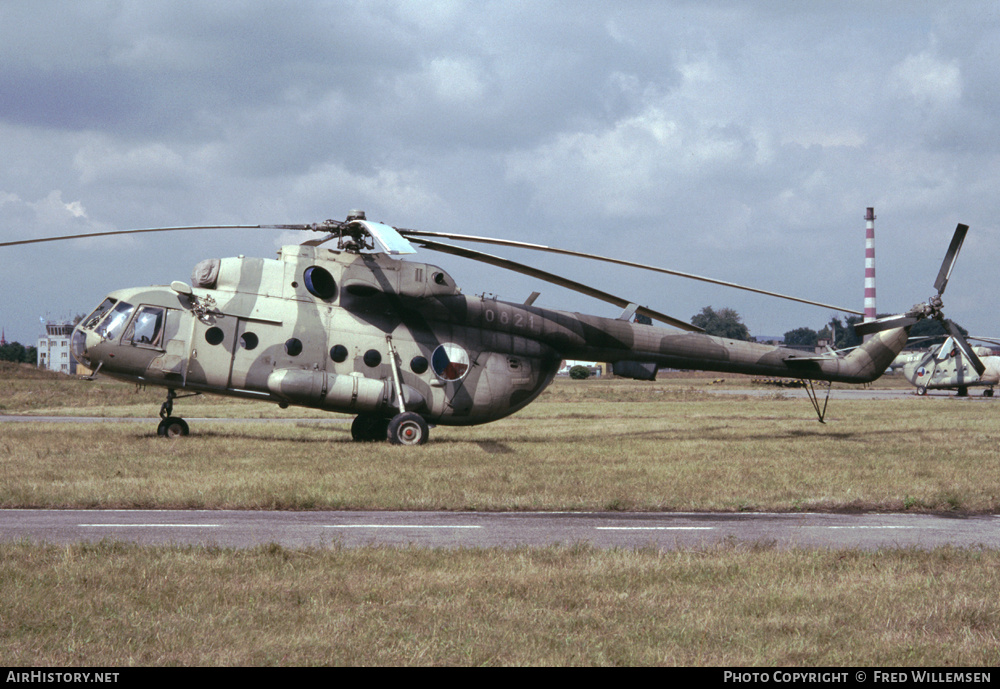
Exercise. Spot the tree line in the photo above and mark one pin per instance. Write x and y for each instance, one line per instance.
(18, 353)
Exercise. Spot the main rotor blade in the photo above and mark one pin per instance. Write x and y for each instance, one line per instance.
(949, 258)
(321, 227)
(554, 279)
(963, 344)
(887, 323)
(607, 259)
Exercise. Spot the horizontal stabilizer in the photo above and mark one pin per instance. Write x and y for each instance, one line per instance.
(636, 370)
(792, 361)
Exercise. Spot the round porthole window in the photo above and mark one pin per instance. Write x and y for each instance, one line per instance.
(214, 335)
(293, 346)
(319, 282)
(249, 341)
(338, 353)
(372, 358)
(418, 365)
(450, 362)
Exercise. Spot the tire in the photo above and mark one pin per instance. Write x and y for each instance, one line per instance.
(172, 427)
(408, 428)
(368, 429)
(921, 390)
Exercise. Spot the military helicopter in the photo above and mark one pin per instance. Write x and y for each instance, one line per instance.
(947, 367)
(354, 329)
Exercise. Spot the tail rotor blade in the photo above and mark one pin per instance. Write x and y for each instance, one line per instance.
(949, 258)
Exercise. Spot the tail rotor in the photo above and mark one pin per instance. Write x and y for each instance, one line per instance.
(933, 307)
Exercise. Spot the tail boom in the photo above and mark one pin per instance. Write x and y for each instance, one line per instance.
(695, 351)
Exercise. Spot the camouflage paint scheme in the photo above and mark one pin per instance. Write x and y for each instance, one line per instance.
(343, 331)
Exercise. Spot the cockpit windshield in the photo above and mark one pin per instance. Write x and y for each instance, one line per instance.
(111, 327)
(94, 318)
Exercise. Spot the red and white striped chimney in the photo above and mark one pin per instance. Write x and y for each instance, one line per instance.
(870, 266)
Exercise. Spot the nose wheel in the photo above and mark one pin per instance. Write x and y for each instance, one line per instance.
(171, 426)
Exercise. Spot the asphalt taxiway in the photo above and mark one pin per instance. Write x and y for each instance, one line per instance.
(245, 528)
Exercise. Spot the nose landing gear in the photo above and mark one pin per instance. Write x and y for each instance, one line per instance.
(172, 426)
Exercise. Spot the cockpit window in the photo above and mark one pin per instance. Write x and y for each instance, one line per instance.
(112, 325)
(147, 326)
(94, 318)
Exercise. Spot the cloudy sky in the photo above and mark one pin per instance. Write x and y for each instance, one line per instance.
(740, 140)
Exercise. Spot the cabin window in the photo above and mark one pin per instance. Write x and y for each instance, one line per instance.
(214, 335)
(372, 358)
(293, 346)
(249, 341)
(418, 365)
(338, 353)
(147, 327)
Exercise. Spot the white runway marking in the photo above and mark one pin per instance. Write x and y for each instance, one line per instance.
(654, 528)
(396, 526)
(147, 526)
(887, 526)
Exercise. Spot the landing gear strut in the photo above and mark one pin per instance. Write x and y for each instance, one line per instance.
(171, 426)
(814, 398)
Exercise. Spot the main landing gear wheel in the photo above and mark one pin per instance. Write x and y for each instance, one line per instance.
(368, 429)
(921, 390)
(172, 427)
(988, 392)
(408, 428)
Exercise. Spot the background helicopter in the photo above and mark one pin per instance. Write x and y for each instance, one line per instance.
(355, 330)
(947, 367)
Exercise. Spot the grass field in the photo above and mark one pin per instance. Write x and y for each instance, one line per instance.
(623, 445)
(584, 445)
(115, 605)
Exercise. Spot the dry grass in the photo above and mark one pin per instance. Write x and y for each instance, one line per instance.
(583, 446)
(117, 605)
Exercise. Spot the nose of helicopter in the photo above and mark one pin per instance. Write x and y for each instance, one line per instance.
(80, 344)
